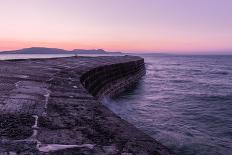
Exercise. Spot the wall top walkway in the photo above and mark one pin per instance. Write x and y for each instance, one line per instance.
(44, 108)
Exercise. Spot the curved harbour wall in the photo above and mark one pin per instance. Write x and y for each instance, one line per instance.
(50, 106)
(109, 80)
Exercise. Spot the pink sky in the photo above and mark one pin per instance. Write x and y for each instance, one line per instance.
(124, 25)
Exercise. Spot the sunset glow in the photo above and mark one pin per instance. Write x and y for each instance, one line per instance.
(117, 25)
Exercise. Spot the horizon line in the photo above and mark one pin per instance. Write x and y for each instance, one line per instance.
(197, 52)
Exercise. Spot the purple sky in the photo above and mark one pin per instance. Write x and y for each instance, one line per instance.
(128, 25)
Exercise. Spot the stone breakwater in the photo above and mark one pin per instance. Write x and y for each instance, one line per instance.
(51, 106)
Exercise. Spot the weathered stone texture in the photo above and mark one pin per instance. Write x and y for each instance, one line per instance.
(51, 106)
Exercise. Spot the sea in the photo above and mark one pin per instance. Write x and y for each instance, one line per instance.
(183, 101)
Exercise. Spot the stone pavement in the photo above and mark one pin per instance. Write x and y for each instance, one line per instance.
(51, 106)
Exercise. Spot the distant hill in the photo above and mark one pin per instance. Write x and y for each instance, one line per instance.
(83, 51)
(37, 50)
(44, 50)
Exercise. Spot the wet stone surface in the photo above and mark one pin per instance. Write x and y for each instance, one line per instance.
(16, 126)
(51, 106)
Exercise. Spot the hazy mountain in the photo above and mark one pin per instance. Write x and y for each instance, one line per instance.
(83, 51)
(44, 50)
(37, 50)
(93, 51)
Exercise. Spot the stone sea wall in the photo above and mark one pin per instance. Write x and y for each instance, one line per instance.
(52, 106)
(110, 80)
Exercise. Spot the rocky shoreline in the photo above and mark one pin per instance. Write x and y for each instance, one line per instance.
(51, 106)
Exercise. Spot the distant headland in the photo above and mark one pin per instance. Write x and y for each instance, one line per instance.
(44, 50)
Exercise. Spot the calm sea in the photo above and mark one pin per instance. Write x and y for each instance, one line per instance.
(30, 56)
(185, 102)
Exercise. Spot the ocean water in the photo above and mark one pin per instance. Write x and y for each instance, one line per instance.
(185, 102)
(41, 56)
(31, 56)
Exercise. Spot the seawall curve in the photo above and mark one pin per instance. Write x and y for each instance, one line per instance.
(109, 80)
(50, 106)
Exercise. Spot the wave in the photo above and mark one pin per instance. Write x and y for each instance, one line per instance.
(220, 72)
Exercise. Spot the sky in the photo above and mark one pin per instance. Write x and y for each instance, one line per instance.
(118, 25)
